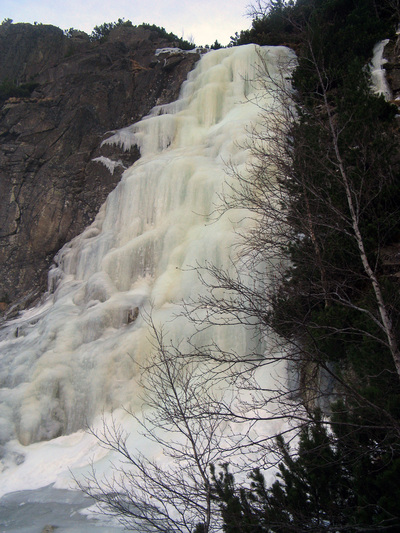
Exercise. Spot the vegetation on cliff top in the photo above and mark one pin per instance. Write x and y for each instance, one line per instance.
(100, 33)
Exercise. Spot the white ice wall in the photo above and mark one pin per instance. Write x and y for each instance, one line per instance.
(77, 354)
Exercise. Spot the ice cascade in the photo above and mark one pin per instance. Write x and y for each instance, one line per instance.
(78, 353)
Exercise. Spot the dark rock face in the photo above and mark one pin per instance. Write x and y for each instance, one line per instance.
(26, 50)
(50, 189)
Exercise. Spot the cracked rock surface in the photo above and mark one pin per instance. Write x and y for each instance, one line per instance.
(50, 187)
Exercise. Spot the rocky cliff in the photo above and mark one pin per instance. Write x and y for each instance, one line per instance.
(50, 187)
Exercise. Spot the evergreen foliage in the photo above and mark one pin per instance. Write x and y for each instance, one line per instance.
(10, 89)
(343, 149)
(312, 491)
(216, 45)
(100, 33)
(352, 24)
(181, 43)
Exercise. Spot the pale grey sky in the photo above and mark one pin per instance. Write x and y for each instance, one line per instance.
(204, 20)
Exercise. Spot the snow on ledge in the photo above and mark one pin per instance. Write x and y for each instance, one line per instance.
(109, 163)
(197, 50)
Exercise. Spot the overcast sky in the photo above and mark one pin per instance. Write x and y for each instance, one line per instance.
(202, 20)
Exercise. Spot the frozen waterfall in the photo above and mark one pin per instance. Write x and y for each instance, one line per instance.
(77, 354)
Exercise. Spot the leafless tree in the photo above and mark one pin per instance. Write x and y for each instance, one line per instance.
(280, 169)
(183, 414)
(261, 8)
(180, 415)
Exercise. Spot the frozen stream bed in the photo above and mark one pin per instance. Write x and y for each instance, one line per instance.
(62, 511)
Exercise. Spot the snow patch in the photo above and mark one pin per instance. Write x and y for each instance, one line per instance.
(198, 50)
(109, 163)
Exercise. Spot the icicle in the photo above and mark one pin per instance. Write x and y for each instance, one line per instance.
(378, 74)
(78, 354)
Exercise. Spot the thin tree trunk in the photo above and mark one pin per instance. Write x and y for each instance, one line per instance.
(386, 323)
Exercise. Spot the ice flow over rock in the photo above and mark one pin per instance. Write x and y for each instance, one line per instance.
(78, 353)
